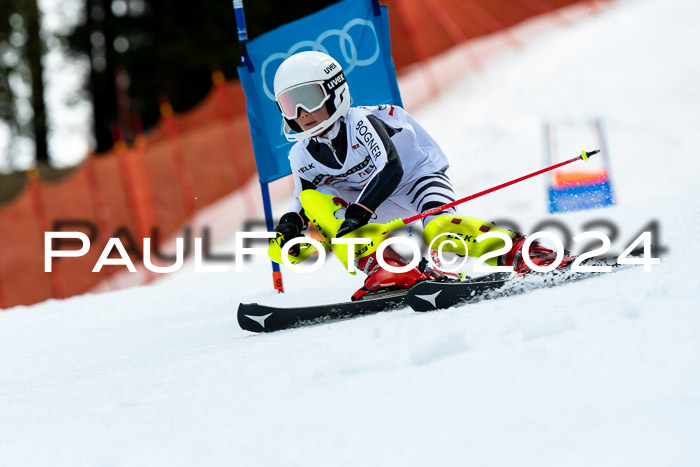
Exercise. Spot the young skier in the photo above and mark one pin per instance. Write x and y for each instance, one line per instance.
(352, 165)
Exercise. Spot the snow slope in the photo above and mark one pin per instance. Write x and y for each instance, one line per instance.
(603, 372)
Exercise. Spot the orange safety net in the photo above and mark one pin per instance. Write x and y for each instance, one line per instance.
(190, 160)
(151, 189)
(421, 29)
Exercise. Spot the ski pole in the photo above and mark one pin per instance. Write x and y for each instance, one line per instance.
(378, 232)
(583, 156)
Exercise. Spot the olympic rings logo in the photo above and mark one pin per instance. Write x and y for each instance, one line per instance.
(348, 50)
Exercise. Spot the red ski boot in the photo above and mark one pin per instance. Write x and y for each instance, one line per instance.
(379, 279)
(539, 255)
(436, 273)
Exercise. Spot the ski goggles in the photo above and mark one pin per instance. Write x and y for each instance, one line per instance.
(308, 96)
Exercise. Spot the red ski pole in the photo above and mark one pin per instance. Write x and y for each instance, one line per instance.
(376, 233)
(583, 156)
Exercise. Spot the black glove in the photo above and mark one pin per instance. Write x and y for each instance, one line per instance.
(290, 226)
(356, 215)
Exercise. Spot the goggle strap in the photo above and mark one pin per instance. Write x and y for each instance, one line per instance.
(334, 81)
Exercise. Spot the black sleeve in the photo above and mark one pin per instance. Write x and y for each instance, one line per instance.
(305, 185)
(387, 180)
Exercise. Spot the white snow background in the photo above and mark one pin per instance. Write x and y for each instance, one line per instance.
(604, 372)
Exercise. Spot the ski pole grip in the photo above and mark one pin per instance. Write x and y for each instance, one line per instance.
(585, 155)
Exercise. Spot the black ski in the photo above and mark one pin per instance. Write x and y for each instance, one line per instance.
(260, 318)
(427, 296)
(424, 296)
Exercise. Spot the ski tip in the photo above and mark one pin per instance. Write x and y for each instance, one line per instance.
(251, 317)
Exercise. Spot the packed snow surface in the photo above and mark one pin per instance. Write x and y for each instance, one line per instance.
(603, 372)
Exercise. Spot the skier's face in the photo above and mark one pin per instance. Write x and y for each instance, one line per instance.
(308, 120)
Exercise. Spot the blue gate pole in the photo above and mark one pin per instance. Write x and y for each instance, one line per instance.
(276, 273)
(242, 42)
(242, 33)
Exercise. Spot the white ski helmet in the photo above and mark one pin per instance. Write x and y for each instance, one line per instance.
(309, 80)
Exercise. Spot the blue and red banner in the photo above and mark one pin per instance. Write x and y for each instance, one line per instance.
(576, 191)
(585, 186)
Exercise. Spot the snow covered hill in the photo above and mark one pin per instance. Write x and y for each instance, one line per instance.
(603, 372)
